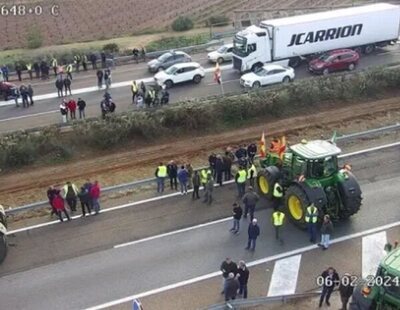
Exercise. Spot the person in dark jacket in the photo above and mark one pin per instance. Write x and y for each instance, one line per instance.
(212, 159)
(189, 169)
(172, 170)
(219, 169)
(24, 94)
(81, 106)
(143, 88)
(36, 68)
(243, 277)
(251, 152)
(250, 200)
(51, 193)
(237, 215)
(241, 152)
(70, 195)
(103, 59)
(227, 166)
(60, 86)
(93, 60)
(30, 93)
(183, 177)
(196, 185)
(231, 287)
(345, 290)
(84, 198)
(253, 232)
(227, 267)
(99, 75)
(330, 279)
(67, 86)
(326, 232)
(18, 69)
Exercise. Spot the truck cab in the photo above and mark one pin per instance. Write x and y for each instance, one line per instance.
(251, 49)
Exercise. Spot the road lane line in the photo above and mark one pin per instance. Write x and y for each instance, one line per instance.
(250, 264)
(127, 205)
(284, 276)
(372, 252)
(28, 115)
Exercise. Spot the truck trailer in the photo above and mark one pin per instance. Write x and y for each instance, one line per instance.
(289, 40)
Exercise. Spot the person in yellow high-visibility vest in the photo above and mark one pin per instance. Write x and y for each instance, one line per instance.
(240, 179)
(161, 174)
(54, 65)
(29, 69)
(252, 174)
(278, 218)
(69, 71)
(135, 90)
(311, 219)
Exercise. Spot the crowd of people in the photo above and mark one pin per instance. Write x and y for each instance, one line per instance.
(71, 106)
(64, 200)
(25, 93)
(150, 96)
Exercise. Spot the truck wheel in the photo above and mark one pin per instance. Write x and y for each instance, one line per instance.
(296, 203)
(294, 62)
(326, 71)
(256, 85)
(350, 194)
(368, 49)
(351, 67)
(197, 79)
(266, 179)
(286, 80)
(169, 84)
(220, 60)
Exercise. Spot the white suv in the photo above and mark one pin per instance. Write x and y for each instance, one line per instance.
(179, 73)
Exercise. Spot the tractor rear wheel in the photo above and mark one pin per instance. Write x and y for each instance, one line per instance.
(296, 203)
(350, 194)
(266, 179)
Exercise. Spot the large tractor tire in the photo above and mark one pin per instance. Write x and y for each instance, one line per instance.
(350, 194)
(266, 179)
(3, 216)
(296, 203)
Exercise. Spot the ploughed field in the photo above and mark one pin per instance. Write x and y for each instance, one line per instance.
(87, 20)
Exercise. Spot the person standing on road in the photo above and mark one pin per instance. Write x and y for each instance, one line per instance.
(58, 203)
(172, 170)
(183, 177)
(311, 220)
(51, 193)
(4, 70)
(134, 90)
(103, 59)
(84, 198)
(196, 185)
(227, 166)
(250, 200)
(54, 65)
(212, 159)
(330, 278)
(99, 75)
(143, 53)
(18, 69)
(251, 152)
(30, 94)
(345, 290)
(72, 108)
(253, 232)
(143, 88)
(189, 169)
(24, 94)
(64, 111)
(252, 174)
(107, 78)
(77, 61)
(209, 189)
(70, 195)
(161, 174)
(227, 267)
(17, 95)
(67, 85)
(240, 180)
(60, 86)
(231, 287)
(219, 169)
(95, 195)
(203, 178)
(29, 69)
(81, 106)
(36, 68)
(69, 71)
(93, 60)
(237, 215)
(326, 232)
(278, 219)
(84, 62)
(243, 277)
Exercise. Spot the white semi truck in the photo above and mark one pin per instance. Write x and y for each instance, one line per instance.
(288, 40)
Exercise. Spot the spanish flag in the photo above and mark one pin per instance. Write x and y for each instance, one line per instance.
(217, 73)
(263, 152)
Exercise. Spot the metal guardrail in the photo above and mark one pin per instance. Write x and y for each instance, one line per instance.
(239, 303)
(138, 183)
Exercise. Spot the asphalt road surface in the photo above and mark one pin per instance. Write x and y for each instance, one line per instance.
(75, 265)
(46, 111)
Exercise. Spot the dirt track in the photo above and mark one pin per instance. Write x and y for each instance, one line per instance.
(29, 184)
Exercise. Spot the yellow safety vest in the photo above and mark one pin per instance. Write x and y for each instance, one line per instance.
(252, 168)
(29, 67)
(152, 93)
(278, 191)
(134, 87)
(54, 62)
(203, 176)
(242, 176)
(69, 68)
(277, 218)
(311, 215)
(162, 171)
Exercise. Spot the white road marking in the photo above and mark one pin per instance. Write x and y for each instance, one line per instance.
(284, 276)
(250, 264)
(127, 205)
(95, 88)
(372, 252)
(26, 116)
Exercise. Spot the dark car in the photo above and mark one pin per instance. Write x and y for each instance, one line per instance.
(166, 60)
(7, 90)
(337, 60)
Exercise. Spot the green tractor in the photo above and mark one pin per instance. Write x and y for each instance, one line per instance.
(381, 291)
(309, 173)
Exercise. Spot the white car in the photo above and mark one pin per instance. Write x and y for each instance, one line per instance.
(179, 73)
(224, 53)
(266, 75)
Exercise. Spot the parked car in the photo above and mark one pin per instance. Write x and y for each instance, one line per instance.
(179, 73)
(224, 53)
(7, 90)
(336, 60)
(166, 60)
(267, 75)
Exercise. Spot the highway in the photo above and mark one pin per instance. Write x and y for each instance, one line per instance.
(46, 111)
(77, 265)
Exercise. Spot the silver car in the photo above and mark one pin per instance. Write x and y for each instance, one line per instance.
(168, 59)
(224, 53)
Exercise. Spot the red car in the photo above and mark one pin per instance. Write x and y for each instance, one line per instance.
(7, 90)
(337, 60)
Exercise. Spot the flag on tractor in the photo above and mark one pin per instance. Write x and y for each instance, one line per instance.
(217, 73)
(263, 151)
(282, 148)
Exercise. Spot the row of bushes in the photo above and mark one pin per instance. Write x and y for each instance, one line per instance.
(196, 115)
(177, 42)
